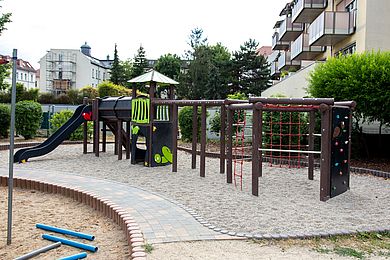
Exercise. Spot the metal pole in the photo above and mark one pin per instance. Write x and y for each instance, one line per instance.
(11, 147)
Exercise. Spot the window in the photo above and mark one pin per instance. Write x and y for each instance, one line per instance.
(25, 76)
(31, 78)
(97, 74)
(104, 76)
(350, 49)
(60, 73)
(60, 56)
(93, 73)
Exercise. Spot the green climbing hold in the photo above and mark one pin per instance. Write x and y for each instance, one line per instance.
(157, 158)
(167, 153)
(135, 130)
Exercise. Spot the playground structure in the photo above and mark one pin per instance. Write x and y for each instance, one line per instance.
(156, 119)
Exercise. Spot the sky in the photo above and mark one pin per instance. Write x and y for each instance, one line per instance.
(161, 27)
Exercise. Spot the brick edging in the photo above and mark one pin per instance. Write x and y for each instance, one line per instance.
(120, 216)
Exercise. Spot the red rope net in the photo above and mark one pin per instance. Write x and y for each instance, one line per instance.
(239, 145)
(285, 132)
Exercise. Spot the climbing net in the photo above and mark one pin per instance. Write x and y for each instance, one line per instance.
(286, 134)
(239, 145)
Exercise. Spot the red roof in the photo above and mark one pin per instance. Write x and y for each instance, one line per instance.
(264, 50)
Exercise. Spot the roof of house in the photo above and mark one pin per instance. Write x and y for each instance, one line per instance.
(20, 64)
(264, 50)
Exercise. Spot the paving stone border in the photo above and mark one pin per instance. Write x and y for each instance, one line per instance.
(121, 217)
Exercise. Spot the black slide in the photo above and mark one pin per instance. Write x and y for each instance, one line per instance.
(56, 138)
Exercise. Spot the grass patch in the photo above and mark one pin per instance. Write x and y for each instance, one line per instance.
(346, 251)
(148, 248)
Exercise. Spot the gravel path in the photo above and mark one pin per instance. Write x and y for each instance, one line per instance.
(288, 202)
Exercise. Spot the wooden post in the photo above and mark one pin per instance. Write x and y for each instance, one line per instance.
(128, 135)
(203, 141)
(229, 175)
(194, 135)
(175, 131)
(255, 151)
(104, 137)
(95, 114)
(85, 130)
(312, 123)
(119, 134)
(222, 140)
(325, 152)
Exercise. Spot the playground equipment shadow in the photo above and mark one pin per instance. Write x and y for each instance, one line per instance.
(208, 208)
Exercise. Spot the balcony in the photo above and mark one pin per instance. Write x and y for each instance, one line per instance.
(331, 27)
(277, 44)
(301, 50)
(275, 73)
(290, 31)
(306, 11)
(285, 62)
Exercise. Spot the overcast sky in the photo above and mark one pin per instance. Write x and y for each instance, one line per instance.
(160, 26)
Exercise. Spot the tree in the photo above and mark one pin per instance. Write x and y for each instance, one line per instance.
(169, 65)
(4, 68)
(364, 78)
(140, 63)
(251, 74)
(207, 74)
(116, 70)
(127, 70)
(4, 19)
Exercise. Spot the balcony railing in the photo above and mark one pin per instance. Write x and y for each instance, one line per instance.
(301, 50)
(277, 44)
(306, 11)
(331, 27)
(285, 62)
(290, 31)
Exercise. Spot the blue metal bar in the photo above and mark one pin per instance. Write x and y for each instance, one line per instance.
(38, 251)
(70, 242)
(65, 231)
(75, 257)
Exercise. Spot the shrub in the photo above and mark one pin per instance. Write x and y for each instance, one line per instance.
(89, 92)
(28, 117)
(60, 118)
(75, 97)
(185, 123)
(107, 88)
(31, 94)
(5, 118)
(215, 122)
(62, 99)
(5, 97)
(46, 98)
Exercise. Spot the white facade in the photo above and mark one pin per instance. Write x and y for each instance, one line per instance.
(25, 73)
(65, 69)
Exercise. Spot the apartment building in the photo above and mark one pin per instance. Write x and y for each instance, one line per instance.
(65, 69)
(310, 31)
(25, 73)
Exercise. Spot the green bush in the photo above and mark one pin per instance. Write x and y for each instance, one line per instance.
(107, 88)
(5, 118)
(46, 98)
(60, 118)
(364, 78)
(215, 122)
(75, 97)
(31, 94)
(185, 123)
(62, 99)
(5, 97)
(89, 92)
(28, 117)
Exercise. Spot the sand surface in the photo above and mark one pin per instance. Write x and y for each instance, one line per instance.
(31, 207)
